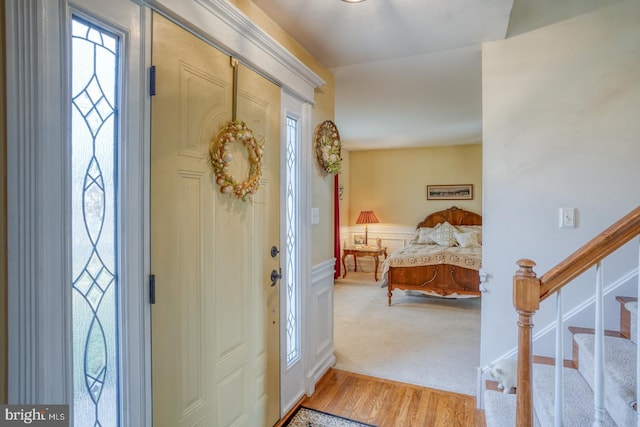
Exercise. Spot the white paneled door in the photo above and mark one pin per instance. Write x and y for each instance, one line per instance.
(215, 321)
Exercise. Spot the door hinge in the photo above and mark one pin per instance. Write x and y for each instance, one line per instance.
(152, 80)
(152, 289)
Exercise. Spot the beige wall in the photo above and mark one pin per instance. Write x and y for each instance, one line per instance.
(3, 222)
(322, 187)
(393, 183)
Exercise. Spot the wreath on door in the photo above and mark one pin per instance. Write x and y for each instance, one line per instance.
(221, 157)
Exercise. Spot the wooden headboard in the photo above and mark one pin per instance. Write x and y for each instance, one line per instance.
(453, 215)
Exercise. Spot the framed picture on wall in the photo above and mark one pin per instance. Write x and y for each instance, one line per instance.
(450, 192)
(358, 239)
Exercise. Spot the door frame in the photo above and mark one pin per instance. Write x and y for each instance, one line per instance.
(38, 269)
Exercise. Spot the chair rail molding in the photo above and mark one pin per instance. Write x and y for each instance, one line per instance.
(393, 237)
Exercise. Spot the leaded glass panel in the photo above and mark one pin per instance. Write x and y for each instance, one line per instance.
(291, 245)
(94, 192)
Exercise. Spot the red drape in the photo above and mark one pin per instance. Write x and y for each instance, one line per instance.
(336, 225)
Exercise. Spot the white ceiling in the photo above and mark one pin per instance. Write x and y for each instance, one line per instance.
(407, 72)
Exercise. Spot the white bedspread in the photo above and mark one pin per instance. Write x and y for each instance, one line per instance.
(415, 255)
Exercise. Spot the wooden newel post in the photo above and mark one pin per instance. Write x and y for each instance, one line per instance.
(526, 300)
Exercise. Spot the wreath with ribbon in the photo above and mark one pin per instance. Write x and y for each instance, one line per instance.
(221, 157)
(328, 147)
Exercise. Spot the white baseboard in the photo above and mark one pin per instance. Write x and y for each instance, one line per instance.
(315, 374)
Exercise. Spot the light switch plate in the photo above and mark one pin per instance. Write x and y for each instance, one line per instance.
(567, 217)
(315, 216)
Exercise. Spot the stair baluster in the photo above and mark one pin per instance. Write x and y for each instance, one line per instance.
(559, 377)
(598, 393)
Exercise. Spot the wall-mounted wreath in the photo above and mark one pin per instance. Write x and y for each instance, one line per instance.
(220, 156)
(328, 147)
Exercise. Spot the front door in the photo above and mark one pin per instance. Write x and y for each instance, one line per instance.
(215, 321)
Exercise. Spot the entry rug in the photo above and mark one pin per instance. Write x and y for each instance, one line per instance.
(305, 417)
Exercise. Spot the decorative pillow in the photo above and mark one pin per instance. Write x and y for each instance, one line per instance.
(472, 228)
(444, 235)
(467, 240)
(423, 236)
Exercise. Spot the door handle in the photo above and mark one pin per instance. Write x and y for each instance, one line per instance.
(275, 276)
(274, 251)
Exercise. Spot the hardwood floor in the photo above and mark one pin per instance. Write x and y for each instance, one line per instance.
(386, 403)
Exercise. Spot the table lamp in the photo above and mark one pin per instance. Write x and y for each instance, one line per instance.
(366, 218)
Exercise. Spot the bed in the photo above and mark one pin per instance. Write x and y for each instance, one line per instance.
(434, 264)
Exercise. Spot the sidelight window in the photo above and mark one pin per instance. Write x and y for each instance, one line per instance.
(94, 198)
(292, 281)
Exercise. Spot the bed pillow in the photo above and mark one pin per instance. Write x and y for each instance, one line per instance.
(467, 240)
(423, 236)
(472, 228)
(414, 239)
(444, 235)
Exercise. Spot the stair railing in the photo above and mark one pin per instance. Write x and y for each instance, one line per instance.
(529, 291)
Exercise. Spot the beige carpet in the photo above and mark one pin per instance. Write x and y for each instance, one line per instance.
(427, 341)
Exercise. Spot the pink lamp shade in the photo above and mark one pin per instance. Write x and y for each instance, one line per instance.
(367, 217)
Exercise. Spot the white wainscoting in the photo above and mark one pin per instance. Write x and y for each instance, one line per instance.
(318, 339)
(393, 238)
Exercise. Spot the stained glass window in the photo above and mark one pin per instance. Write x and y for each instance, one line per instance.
(94, 193)
(291, 226)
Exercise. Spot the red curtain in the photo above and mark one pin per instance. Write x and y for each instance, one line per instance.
(336, 226)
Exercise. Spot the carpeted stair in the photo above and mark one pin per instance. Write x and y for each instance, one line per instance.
(619, 374)
(578, 397)
(499, 408)
(620, 381)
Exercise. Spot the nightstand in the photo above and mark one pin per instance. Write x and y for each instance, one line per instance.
(372, 251)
